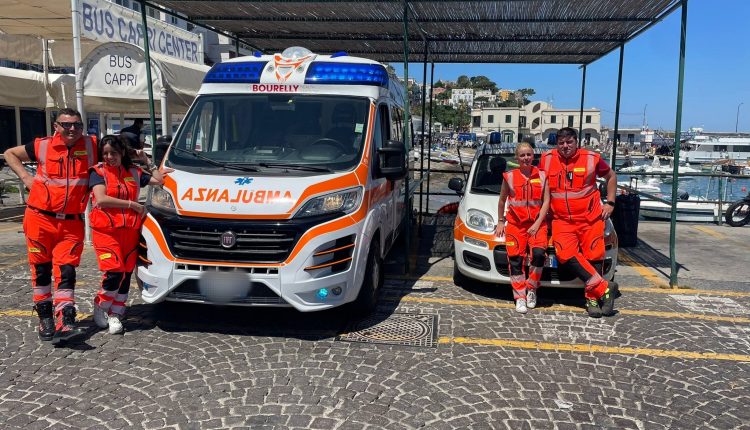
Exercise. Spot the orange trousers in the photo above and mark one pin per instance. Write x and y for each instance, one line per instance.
(54, 247)
(518, 241)
(117, 252)
(577, 245)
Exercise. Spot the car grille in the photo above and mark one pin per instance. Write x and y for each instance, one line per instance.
(257, 241)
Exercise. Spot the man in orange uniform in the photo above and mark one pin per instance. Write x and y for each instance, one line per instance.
(578, 215)
(53, 222)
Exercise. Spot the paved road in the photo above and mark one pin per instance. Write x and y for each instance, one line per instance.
(457, 358)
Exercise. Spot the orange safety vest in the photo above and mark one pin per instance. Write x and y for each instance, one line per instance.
(120, 183)
(572, 185)
(525, 195)
(61, 183)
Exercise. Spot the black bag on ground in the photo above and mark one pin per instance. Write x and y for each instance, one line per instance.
(625, 219)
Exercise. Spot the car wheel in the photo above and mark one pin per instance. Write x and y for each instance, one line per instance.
(367, 300)
(459, 279)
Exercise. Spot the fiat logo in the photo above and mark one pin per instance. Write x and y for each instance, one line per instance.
(228, 239)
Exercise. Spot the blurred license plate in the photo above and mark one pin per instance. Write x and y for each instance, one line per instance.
(223, 286)
(550, 261)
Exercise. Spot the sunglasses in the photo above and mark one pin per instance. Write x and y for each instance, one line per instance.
(69, 125)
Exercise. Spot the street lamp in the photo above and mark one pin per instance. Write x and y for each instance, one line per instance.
(737, 121)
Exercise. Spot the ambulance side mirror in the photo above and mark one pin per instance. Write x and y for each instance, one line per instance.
(162, 144)
(392, 160)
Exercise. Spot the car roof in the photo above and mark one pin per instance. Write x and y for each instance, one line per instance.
(506, 148)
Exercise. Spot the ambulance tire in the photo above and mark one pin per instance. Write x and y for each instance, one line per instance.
(367, 300)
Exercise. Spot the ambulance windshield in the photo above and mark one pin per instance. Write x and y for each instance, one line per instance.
(267, 132)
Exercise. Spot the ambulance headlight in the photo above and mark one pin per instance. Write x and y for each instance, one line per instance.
(480, 220)
(346, 201)
(161, 199)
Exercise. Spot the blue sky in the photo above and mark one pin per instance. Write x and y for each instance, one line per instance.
(717, 73)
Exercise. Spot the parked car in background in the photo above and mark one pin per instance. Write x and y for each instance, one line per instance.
(478, 253)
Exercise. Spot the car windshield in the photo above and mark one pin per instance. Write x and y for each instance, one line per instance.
(295, 133)
(488, 174)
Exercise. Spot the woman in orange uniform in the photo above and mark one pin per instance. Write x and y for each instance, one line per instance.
(525, 192)
(116, 219)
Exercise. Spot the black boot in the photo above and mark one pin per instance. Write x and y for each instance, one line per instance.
(593, 309)
(608, 299)
(66, 330)
(46, 322)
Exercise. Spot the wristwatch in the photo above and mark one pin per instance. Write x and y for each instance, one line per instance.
(611, 203)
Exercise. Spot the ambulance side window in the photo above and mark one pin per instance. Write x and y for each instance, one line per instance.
(199, 134)
(397, 125)
(380, 133)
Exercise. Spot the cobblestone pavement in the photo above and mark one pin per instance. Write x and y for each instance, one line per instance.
(669, 359)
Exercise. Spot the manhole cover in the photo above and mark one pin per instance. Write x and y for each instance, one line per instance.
(395, 329)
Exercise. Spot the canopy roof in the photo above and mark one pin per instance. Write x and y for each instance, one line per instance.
(510, 31)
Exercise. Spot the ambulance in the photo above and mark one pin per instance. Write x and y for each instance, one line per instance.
(479, 253)
(288, 186)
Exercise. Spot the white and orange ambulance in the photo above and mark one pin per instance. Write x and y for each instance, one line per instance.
(288, 187)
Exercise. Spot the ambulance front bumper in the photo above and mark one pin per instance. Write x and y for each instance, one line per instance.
(324, 270)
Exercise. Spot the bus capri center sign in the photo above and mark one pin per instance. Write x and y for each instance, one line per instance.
(108, 22)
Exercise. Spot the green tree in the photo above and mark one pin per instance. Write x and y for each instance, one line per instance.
(439, 84)
(463, 81)
(483, 83)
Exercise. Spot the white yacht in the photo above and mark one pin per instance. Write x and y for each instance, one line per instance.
(707, 149)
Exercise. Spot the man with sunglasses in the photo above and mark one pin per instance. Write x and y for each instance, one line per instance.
(53, 222)
(578, 215)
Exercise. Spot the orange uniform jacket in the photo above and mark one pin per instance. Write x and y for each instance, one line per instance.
(525, 195)
(574, 196)
(61, 181)
(120, 183)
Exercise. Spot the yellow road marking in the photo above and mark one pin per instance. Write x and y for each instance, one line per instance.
(687, 291)
(643, 270)
(710, 232)
(602, 349)
(564, 308)
(31, 313)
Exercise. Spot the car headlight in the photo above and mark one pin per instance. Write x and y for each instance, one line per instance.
(346, 201)
(480, 220)
(161, 199)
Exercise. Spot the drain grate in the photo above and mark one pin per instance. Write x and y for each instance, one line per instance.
(408, 329)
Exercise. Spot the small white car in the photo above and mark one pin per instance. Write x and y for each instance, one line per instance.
(478, 253)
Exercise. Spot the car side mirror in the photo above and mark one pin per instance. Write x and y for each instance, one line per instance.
(162, 144)
(392, 160)
(457, 185)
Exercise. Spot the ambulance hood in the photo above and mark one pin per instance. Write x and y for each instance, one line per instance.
(246, 194)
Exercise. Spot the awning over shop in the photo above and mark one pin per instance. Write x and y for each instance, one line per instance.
(22, 88)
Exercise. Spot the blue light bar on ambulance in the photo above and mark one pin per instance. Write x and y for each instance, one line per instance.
(235, 73)
(346, 74)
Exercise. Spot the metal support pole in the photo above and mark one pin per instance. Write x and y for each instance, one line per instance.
(615, 139)
(677, 127)
(422, 137)
(583, 97)
(721, 201)
(77, 59)
(429, 147)
(150, 87)
(407, 146)
(237, 46)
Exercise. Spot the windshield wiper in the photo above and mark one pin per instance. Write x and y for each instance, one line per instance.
(485, 189)
(216, 163)
(304, 167)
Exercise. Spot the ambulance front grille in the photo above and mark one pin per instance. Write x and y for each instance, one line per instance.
(257, 246)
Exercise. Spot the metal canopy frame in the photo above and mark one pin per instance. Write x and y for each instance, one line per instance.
(448, 31)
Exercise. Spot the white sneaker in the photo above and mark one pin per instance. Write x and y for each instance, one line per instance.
(100, 317)
(115, 325)
(521, 306)
(531, 299)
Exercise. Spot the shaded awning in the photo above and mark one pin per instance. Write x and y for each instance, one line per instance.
(518, 31)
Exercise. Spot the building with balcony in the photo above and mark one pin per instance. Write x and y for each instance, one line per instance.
(536, 119)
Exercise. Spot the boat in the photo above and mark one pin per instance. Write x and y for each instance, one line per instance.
(707, 149)
(694, 209)
(663, 171)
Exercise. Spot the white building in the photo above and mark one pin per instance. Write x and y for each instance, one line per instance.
(536, 119)
(462, 96)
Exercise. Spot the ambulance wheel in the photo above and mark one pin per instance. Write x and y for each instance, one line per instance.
(367, 300)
